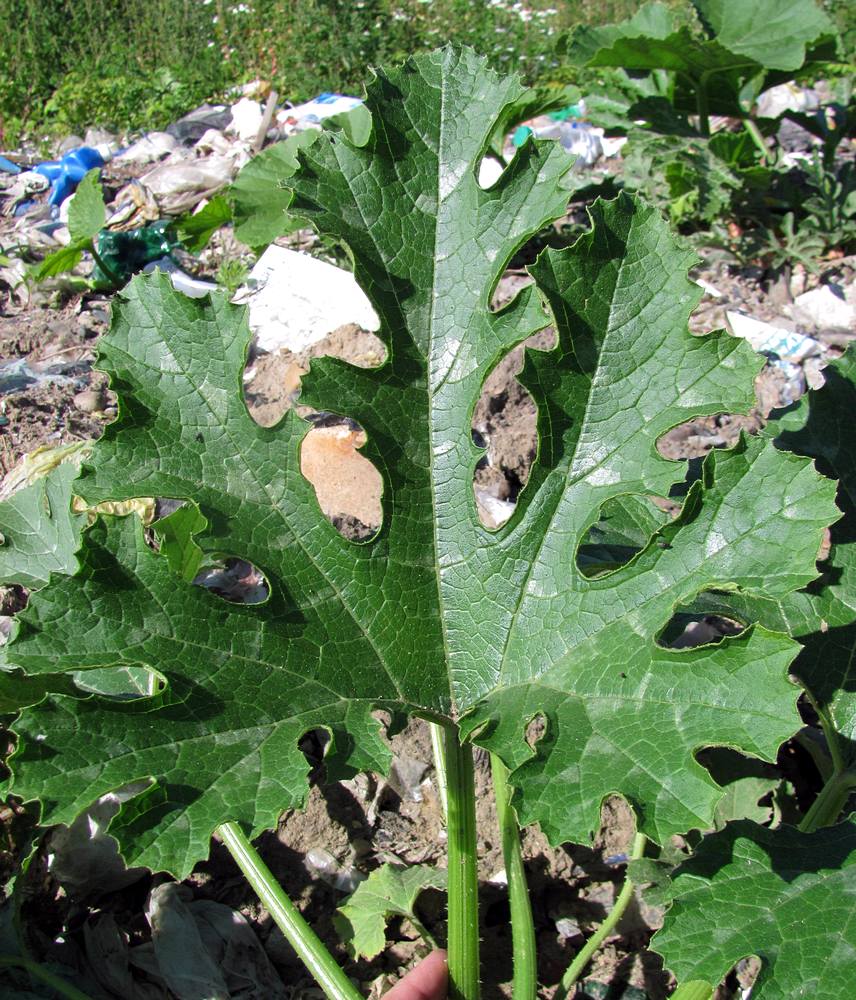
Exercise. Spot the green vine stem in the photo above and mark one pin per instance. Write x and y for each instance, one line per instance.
(827, 807)
(463, 934)
(37, 971)
(525, 983)
(832, 798)
(287, 917)
(438, 747)
(105, 267)
(756, 136)
(702, 107)
(577, 967)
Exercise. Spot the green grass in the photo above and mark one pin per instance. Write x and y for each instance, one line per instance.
(139, 64)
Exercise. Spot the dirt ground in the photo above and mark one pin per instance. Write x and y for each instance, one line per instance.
(367, 821)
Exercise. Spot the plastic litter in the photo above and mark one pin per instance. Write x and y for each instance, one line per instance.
(65, 174)
(773, 103)
(246, 119)
(490, 170)
(126, 253)
(193, 288)
(133, 207)
(18, 193)
(493, 512)
(708, 288)
(83, 858)
(190, 129)
(827, 306)
(152, 147)
(310, 114)
(235, 580)
(203, 950)
(7, 166)
(579, 138)
(295, 300)
(405, 777)
(768, 339)
(18, 375)
(323, 865)
(108, 957)
(569, 930)
(178, 187)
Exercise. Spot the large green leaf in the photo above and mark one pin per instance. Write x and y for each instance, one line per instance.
(435, 614)
(782, 895)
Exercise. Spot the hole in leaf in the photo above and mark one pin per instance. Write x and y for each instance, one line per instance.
(741, 980)
(272, 381)
(505, 425)
(699, 624)
(121, 683)
(696, 437)
(536, 728)
(235, 580)
(347, 485)
(624, 526)
(490, 170)
(313, 745)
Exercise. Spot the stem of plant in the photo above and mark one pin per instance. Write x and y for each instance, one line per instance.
(525, 982)
(439, 748)
(755, 133)
(702, 108)
(105, 267)
(577, 967)
(45, 975)
(463, 933)
(827, 807)
(287, 917)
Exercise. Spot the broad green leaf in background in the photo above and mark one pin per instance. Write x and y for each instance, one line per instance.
(40, 534)
(196, 229)
(388, 892)
(774, 33)
(782, 895)
(86, 211)
(259, 195)
(59, 261)
(435, 614)
(748, 44)
(696, 989)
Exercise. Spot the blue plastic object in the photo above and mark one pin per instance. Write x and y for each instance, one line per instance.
(67, 173)
(8, 167)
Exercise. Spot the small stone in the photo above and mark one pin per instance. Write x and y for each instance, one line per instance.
(90, 401)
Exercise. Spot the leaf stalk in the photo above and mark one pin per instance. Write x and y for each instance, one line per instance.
(287, 917)
(827, 807)
(463, 934)
(577, 967)
(525, 981)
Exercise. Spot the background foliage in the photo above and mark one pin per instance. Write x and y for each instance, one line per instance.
(69, 64)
